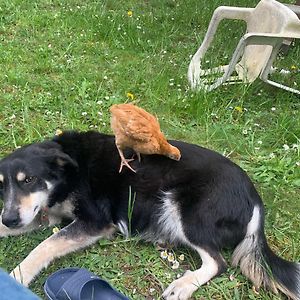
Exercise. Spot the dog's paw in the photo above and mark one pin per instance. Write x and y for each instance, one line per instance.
(182, 288)
(21, 276)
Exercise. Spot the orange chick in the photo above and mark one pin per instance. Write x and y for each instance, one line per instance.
(137, 129)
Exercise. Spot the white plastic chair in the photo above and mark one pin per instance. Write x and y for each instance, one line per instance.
(268, 24)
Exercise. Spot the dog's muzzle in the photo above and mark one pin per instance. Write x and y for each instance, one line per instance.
(11, 219)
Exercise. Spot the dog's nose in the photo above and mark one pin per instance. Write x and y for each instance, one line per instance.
(11, 220)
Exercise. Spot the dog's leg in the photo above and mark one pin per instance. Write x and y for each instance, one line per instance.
(5, 231)
(71, 238)
(212, 264)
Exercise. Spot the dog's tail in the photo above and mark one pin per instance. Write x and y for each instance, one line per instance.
(261, 265)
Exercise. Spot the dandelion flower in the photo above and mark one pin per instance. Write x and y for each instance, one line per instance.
(55, 229)
(129, 13)
(164, 254)
(239, 109)
(293, 67)
(181, 257)
(58, 132)
(171, 257)
(175, 265)
(130, 95)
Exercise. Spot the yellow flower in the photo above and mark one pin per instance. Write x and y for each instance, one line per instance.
(130, 95)
(55, 229)
(58, 132)
(181, 257)
(129, 13)
(239, 109)
(293, 67)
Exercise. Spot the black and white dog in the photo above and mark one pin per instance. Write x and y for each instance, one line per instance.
(203, 201)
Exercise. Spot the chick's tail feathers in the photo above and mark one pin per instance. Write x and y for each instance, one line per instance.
(261, 265)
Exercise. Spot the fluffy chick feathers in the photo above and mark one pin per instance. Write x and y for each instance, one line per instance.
(137, 129)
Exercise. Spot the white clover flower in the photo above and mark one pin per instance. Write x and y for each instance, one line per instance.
(164, 254)
(99, 102)
(105, 77)
(273, 108)
(286, 147)
(181, 257)
(175, 265)
(171, 257)
(272, 155)
(84, 113)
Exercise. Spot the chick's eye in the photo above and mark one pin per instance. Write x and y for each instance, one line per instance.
(29, 179)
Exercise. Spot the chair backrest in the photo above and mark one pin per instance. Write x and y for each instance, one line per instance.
(269, 16)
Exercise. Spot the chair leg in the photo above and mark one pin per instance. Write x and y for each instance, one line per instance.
(264, 76)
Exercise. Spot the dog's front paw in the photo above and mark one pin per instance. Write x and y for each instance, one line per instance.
(22, 276)
(182, 288)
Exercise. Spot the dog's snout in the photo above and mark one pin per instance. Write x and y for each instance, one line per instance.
(11, 219)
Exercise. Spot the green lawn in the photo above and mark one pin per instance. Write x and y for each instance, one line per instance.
(64, 63)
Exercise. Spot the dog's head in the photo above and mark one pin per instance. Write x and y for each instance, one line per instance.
(28, 177)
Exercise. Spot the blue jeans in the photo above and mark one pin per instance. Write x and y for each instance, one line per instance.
(12, 290)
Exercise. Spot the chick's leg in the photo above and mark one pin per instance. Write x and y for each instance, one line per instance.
(124, 161)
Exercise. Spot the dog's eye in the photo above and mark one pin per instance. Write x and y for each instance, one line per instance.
(29, 179)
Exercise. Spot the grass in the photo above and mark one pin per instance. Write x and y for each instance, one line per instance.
(64, 63)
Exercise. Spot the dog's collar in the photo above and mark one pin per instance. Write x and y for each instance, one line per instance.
(44, 218)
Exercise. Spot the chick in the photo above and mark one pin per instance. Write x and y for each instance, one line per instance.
(137, 129)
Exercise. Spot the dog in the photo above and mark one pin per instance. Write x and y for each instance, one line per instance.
(204, 201)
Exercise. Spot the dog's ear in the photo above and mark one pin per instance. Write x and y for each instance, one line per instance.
(61, 159)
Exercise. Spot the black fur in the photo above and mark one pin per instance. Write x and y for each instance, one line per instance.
(215, 198)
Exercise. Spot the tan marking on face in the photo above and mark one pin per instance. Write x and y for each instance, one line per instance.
(26, 202)
(21, 176)
(1, 178)
(31, 205)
